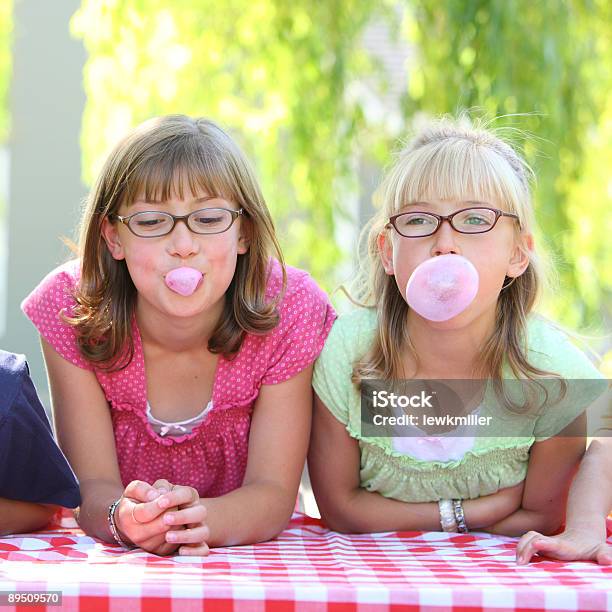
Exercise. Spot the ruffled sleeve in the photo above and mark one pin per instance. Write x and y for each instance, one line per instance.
(551, 349)
(350, 338)
(306, 317)
(331, 379)
(44, 306)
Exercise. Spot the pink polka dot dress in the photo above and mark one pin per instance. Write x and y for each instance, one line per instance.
(212, 457)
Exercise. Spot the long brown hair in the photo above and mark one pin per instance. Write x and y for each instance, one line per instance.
(158, 158)
(447, 159)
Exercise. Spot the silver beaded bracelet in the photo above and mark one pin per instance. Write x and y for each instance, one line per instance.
(113, 527)
(459, 516)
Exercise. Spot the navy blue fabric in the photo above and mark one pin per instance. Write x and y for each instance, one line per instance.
(32, 467)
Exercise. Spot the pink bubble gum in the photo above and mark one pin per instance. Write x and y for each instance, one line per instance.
(183, 281)
(442, 287)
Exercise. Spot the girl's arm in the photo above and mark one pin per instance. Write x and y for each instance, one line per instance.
(23, 517)
(278, 440)
(590, 500)
(333, 464)
(261, 508)
(85, 433)
(552, 465)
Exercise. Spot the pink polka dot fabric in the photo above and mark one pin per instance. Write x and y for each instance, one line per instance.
(212, 458)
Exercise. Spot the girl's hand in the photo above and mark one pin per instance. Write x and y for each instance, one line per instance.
(186, 517)
(140, 520)
(571, 545)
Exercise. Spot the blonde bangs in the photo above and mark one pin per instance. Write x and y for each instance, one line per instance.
(459, 170)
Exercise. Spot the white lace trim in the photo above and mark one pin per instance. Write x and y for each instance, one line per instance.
(178, 428)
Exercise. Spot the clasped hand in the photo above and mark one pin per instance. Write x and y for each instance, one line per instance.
(162, 518)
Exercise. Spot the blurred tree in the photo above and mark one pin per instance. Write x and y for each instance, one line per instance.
(551, 59)
(6, 28)
(273, 72)
(280, 76)
(6, 31)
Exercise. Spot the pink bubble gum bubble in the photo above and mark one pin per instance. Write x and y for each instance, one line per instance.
(442, 287)
(183, 281)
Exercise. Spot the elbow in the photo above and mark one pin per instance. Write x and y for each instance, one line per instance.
(548, 523)
(339, 517)
(335, 522)
(550, 526)
(274, 522)
(549, 530)
(47, 513)
(269, 532)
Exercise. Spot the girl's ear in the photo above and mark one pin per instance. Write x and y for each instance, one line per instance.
(111, 237)
(385, 250)
(244, 236)
(519, 259)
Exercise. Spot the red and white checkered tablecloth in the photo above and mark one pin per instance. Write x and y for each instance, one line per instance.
(306, 568)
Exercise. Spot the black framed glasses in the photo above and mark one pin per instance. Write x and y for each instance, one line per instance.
(155, 223)
(473, 220)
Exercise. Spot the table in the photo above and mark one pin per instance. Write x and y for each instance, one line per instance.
(307, 567)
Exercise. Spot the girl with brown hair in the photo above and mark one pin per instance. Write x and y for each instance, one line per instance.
(179, 348)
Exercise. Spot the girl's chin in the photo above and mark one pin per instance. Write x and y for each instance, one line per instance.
(196, 306)
(457, 322)
(180, 307)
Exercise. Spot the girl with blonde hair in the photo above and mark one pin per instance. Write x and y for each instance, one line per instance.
(456, 203)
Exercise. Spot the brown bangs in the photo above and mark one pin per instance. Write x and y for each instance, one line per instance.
(162, 159)
(172, 167)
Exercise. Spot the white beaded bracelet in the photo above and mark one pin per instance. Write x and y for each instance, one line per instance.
(447, 516)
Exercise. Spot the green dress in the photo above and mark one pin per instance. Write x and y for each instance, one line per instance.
(495, 461)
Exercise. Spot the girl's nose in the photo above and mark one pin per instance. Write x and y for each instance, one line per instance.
(444, 240)
(182, 241)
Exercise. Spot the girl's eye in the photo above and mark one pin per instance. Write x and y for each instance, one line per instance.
(207, 220)
(149, 222)
(475, 220)
(211, 221)
(416, 220)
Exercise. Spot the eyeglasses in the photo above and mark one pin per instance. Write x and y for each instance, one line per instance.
(154, 223)
(476, 220)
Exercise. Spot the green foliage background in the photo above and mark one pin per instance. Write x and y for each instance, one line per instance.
(282, 77)
(551, 59)
(272, 72)
(6, 26)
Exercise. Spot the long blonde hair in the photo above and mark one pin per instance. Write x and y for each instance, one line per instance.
(447, 159)
(158, 158)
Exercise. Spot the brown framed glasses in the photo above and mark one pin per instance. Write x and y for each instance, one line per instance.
(473, 220)
(155, 223)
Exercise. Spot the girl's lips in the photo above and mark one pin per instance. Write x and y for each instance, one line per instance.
(184, 280)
